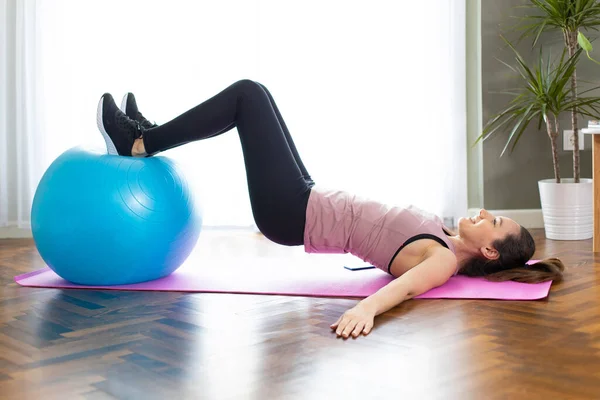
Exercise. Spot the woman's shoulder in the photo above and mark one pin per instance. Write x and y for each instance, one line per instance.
(439, 257)
(430, 248)
(417, 252)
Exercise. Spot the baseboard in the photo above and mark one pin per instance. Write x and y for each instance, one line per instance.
(529, 218)
(20, 233)
(15, 233)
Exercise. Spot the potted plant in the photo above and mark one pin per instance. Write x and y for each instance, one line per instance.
(569, 17)
(544, 96)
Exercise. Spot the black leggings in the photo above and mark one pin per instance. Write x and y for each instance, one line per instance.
(278, 182)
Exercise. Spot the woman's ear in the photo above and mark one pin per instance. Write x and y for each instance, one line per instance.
(490, 253)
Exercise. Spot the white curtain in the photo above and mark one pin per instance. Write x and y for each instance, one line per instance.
(372, 92)
(21, 117)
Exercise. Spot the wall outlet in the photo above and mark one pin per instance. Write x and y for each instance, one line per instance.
(568, 140)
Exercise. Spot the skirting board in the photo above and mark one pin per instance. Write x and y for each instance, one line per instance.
(530, 219)
(15, 233)
(25, 233)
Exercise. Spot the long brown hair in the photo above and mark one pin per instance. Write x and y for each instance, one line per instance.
(514, 252)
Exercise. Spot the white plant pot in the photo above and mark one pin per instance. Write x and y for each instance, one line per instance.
(567, 208)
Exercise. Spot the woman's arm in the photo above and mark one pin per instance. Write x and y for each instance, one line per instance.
(435, 270)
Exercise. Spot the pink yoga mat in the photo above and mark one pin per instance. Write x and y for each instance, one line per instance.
(270, 277)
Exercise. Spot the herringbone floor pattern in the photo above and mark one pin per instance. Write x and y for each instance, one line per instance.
(67, 344)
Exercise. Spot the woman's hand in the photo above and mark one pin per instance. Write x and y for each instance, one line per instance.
(355, 321)
(437, 267)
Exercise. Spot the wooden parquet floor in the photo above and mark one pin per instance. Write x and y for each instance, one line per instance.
(85, 344)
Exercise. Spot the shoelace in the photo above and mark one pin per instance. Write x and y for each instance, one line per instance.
(144, 121)
(132, 127)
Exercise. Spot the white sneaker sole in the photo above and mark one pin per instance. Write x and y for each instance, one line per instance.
(110, 146)
(124, 104)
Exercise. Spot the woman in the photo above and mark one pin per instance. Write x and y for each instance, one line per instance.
(410, 244)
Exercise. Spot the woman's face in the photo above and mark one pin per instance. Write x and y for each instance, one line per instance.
(481, 231)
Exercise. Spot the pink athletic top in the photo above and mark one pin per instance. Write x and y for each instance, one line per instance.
(338, 222)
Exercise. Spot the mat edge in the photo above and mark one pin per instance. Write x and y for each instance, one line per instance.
(30, 274)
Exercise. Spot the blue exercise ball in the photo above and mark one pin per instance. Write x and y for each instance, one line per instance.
(100, 219)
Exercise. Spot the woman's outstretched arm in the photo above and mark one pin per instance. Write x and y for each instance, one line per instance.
(435, 270)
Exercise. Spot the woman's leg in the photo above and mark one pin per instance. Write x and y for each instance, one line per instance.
(287, 135)
(277, 185)
(146, 124)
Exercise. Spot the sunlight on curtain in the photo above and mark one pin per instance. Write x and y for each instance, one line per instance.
(373, 93)
(22, 142)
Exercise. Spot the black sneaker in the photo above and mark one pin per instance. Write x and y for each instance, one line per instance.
(118, 129)
(130, 108)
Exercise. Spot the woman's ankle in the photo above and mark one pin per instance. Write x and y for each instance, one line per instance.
(138, 149)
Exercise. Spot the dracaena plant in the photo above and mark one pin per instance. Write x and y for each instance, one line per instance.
(569, 17)
(544, 95)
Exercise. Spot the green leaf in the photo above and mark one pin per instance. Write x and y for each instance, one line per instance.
(520, 133)
(540, 29)
(563, 15)
(584, 42)
(541, 118)
(545, 92)
(526, 117)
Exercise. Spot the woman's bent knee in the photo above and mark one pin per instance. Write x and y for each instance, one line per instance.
(247, 85)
